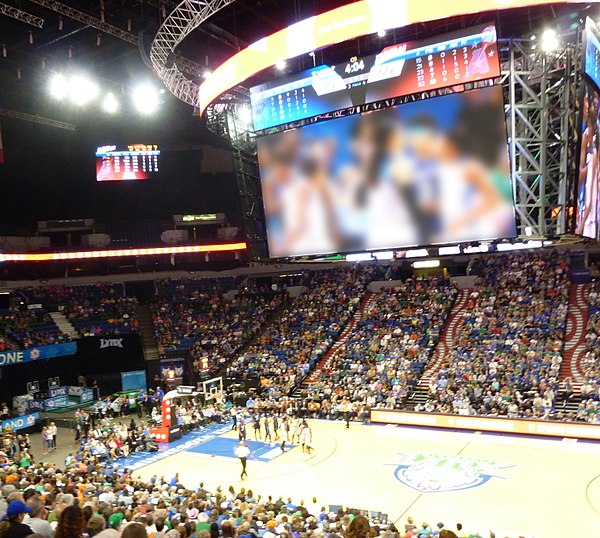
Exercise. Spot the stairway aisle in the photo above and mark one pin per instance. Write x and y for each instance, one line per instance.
(577, 319)
(64, 325)
(343, 338)
(446, 338)
(144, 315)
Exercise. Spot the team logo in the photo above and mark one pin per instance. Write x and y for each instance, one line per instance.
(34, 354)
(429, 473)
(111, 342)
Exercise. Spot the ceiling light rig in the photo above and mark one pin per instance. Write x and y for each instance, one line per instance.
(82, 91)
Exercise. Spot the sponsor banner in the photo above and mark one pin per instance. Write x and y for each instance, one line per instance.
(175, 365)
(58, 391)
(56, 403)
(135, 380)
(75, 391)
(112, 354)
(20, 423)
(489, 424)
(35, 404)
(87, 395)
(9, 358)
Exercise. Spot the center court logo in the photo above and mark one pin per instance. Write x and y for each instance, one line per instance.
(430, 473)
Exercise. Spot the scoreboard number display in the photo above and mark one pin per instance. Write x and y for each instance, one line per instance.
(403, 69)
(128, 163)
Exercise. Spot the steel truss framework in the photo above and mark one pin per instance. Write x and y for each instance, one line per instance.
(36, 119)
(183, 20)
(541, 111)
(226, 122)
(180, 63)
(21, 15)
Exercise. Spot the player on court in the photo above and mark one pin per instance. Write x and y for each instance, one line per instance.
(256, 426)
(306, 437)
(285, 431)
(242, 430)
(267, 425)
(294, 427)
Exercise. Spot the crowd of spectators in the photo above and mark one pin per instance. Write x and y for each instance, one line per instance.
(93, 310)
(388, 349)
(507, 351)
(211, 318)
(25, 329)
(301, 335)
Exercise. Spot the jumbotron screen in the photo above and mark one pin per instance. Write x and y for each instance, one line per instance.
(402, 69)
(587, 217)
(130, 163)
(592, 51)
(428, 172)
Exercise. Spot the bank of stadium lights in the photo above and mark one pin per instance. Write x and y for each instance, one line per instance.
(80, 91)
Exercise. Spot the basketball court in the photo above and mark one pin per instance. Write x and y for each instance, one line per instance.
(512, 485)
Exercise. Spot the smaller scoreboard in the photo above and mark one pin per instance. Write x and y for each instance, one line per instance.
(452, 59)
(129, 163)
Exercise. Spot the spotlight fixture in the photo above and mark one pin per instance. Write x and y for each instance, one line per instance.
(146, 99)
(549, 40)
(58, 87)
(81, 90)
(281, 65)
(245, 114)
(110, 104)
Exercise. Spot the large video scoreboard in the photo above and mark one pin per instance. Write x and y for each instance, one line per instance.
(402, 69)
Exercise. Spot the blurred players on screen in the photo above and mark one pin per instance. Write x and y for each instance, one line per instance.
(428, 172)
(588, 192)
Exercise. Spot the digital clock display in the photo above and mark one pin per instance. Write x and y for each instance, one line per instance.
(402, 69)
(354, 66)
